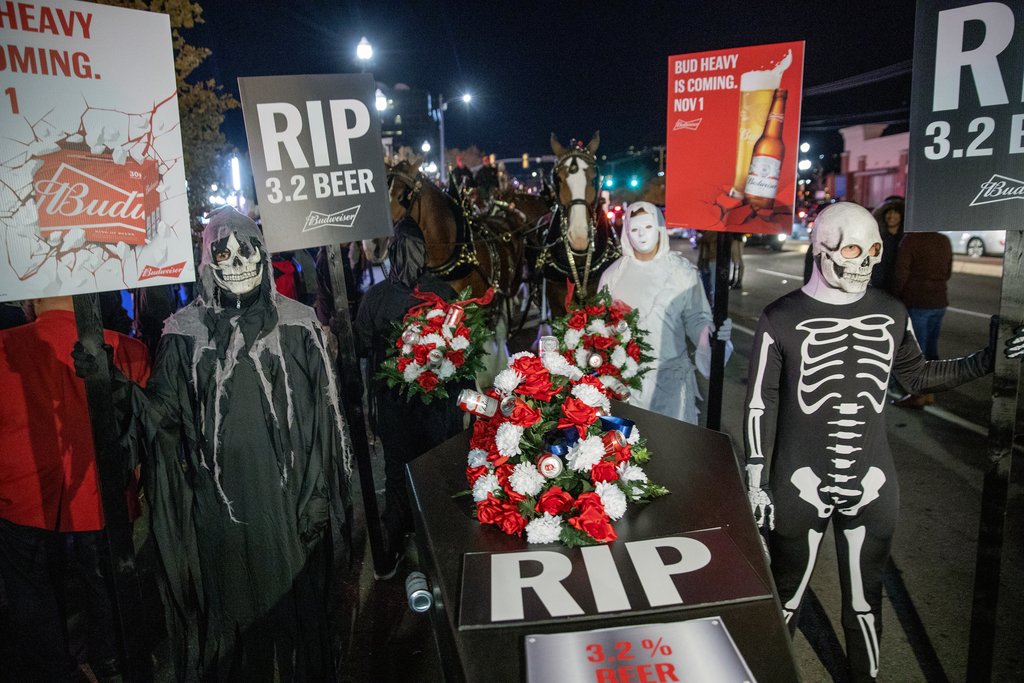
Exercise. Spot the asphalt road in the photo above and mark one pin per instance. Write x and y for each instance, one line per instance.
(940, 456)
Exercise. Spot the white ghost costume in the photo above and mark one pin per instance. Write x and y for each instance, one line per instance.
(667, 292)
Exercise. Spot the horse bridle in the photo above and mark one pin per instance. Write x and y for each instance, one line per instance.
(574, 154)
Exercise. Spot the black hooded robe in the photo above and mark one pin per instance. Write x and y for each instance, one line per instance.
(248, 481)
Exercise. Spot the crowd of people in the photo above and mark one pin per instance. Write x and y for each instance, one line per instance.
(234, 429)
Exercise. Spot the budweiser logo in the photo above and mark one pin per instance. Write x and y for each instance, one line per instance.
(67, 194)
(173, 270)
(999, 188)
(345, 218)
(692, 124)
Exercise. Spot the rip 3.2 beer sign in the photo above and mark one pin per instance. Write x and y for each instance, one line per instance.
(967, 117)
(314, 143)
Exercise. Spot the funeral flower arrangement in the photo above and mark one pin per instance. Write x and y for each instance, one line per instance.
(437, 343)
(547, 457)
(602, 337)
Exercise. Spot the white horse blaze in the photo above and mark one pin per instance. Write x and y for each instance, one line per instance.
(579, 235)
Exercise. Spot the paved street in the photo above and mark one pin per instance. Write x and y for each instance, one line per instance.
(940, 458)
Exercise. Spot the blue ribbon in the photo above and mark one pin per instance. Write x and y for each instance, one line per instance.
(559, 449)
(619, 424)
(571, 436)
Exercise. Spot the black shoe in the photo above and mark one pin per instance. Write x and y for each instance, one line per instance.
(391, 565)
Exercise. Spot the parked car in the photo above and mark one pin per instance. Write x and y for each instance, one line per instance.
(977, 243)
(773, 241)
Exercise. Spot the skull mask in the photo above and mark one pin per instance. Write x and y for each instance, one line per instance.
(846, 246)
(237, 266)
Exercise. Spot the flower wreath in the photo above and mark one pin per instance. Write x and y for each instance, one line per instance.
(603, 337)
(547, 458)
(436, 343)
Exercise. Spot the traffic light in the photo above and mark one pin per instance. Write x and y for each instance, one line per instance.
(526, 160)
(609, 182)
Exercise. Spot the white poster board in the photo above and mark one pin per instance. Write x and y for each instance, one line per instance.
(92, 181)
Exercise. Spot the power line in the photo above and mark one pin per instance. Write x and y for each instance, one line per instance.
(883, 74)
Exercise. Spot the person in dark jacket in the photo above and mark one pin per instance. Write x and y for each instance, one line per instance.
(924, 265)
(890, 225)
(406, 428)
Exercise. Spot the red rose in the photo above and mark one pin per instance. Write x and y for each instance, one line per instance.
(462, 331)
(457, 358)
(601, 343)
(594, 381)
(488, 511)
(420, 352)
(578, 320)
(474, 473)
(403, 363)
(576, 413)
(623, 454)
(619, 310)
(589, 500)
(554, 501)
(609, 369)
(427, 380)
(595, 310)
(433, 324)
(523, 415)
(536, 378)
(604, 471)
(595, 522)
(633, 350)
(483, 435)
(512, 522)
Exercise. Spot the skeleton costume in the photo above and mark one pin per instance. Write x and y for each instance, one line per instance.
(673, 307)
(820, 366)
(247, 471)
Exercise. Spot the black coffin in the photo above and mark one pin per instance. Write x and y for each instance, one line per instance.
(708, 499)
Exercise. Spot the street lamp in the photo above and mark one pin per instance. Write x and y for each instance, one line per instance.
(805, 147)
(804, 164)
(425, 147)
(442, 106)
(380, 101)
(364, 51)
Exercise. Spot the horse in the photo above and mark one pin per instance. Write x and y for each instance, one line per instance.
(465, 250)
(575, 241)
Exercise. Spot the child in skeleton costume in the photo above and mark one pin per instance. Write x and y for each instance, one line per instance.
(247, 471)
(820, 366)
(665, 288)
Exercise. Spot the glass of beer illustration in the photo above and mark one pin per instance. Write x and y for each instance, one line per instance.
(756, 91)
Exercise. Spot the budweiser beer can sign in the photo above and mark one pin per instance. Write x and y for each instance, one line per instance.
(92, 179)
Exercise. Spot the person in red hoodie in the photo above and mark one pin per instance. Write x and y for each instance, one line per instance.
(51, 515)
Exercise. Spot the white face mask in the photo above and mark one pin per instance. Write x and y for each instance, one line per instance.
(643, 234)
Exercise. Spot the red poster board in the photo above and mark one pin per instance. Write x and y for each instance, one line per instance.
(719, 105)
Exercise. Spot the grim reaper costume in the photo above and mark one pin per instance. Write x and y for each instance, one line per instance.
(247, 471)
(665, 288)
(820, 366)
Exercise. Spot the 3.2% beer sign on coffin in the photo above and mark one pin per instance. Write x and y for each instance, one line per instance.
(693, 651)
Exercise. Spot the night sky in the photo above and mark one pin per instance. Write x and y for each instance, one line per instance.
(567, 67)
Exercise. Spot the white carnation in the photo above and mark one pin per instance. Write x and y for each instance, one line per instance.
(626, 336)
(406, 349)
(446, 370)
(435, 339)
(411, 372)
(507, 380)
(545, 529)
(585, 454)
(459, 343)
(507, 438)
(634, 435)
(484, 485)
(477, 457)
(592, 396)
(572, 338)
(613, 498)
(526, 480)
(619, 356)
(630, 369)
(597, 326)
(556, 364)
(434, 313)
(516, 356)
(581, 357)
(629, 472)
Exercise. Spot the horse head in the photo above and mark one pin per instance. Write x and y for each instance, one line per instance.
(576, 186)
(404, 186)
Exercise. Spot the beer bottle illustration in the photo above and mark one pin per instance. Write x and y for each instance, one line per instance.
(766, 158)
